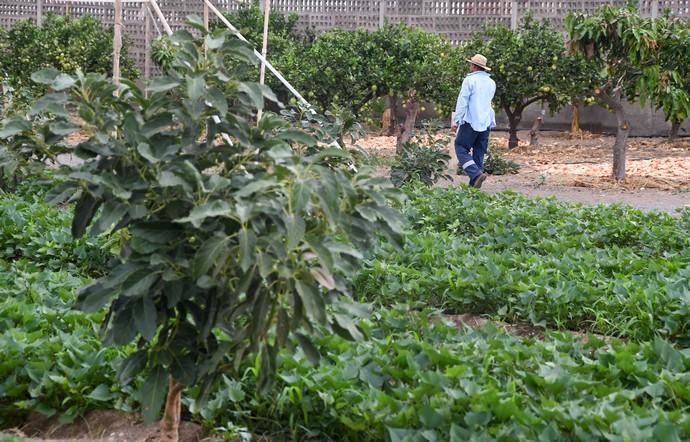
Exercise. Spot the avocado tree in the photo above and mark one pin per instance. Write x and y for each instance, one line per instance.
(527, 65)
(236, 246)
(285, 43)
(625, 47)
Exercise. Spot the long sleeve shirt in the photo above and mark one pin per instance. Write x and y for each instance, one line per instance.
(474, 102)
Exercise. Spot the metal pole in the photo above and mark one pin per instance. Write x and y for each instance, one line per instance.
(513, 15)
(259, 56)
(117, 42)
(264, 48)
(160, 15)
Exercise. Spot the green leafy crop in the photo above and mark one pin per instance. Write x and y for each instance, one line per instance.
(607, 269)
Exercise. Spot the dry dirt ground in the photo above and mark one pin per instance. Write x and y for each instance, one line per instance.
(98, 426)
(578, 169)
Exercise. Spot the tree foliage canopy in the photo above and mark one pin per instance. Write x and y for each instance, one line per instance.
(530, 65)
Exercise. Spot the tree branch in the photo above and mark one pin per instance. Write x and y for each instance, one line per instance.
(532, 100)
(366, 99)
(611, 99)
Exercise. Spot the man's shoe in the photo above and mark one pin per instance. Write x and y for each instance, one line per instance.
(478, 181)
(460, 171)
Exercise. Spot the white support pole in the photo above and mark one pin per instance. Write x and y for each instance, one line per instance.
(160, 15)
(259, 56)
(264, 48)
(382, 13)
(513, 15)
(206, 20)
(655, 8)
(148, 38)
(153, 19)
(39, 12)
(117, 42)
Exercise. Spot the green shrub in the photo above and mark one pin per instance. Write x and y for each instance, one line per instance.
(495, 164)
(415, 162)
(425, 159)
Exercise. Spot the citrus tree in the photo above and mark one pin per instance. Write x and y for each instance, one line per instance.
(235, 246)
(625, 47)
(65, 43)
(667, 82)
(529, 65)
(337, 70)
(415, 66)
(576, 86)
(350, 68)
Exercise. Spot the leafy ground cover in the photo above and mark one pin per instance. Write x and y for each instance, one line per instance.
(415, 377)
(51, 357)
(31, 230)
(606, 269)
(422, 380)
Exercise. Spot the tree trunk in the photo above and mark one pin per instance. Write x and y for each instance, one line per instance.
(536, 126)
(411, 111)
(622, 133)
(390, 120)
(575, 121)
(513, 120)
(675, 129)
(170, 424)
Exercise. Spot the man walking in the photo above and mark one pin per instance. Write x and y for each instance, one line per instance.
(473, 119)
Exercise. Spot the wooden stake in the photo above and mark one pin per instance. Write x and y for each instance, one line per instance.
(117, 42)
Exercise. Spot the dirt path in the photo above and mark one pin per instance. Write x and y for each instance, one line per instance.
(577, 170)
(644, 199)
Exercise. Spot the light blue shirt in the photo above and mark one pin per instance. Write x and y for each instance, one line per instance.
(474, 102)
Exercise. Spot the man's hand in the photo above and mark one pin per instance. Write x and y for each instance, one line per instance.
(454, 128)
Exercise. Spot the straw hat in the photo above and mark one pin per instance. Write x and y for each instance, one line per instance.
(480, 61)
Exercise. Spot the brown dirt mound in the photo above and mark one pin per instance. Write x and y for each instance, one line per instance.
(102, 426)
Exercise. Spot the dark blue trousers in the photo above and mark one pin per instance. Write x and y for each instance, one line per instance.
(468, 140)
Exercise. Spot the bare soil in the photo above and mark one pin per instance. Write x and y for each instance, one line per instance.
(578, 169)
(101, 426)
(522, 330)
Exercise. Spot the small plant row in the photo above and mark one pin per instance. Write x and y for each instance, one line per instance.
(32, 230)
(414, 378)
(52, 360)
(420, 379)
(610, 270)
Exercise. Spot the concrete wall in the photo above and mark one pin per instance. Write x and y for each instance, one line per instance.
(644, 121)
